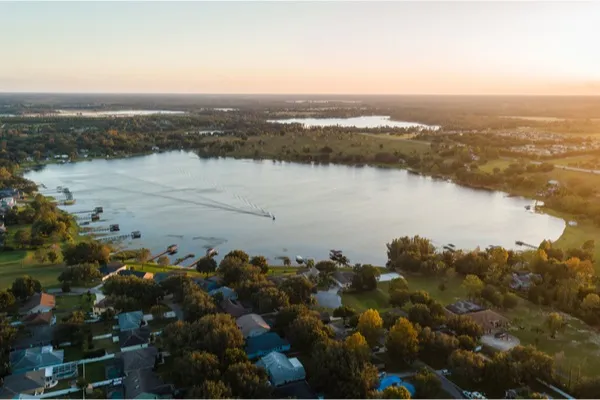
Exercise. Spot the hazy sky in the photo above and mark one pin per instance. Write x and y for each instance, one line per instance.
(301, 47)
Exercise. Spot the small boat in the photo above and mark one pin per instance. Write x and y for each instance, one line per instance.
(98, 210)
(212, 252)
(114, 228)
(299, 260)
(136, 234)
(95, 217)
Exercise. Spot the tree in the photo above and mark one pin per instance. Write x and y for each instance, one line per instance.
(66, 287)
(247, 381)
(287, 315)
(464, 325)
(210, 390)
(260, 262)
(399, 298)
(8, 334)
(365, 278)
(307, 330)
(145, 291)
(344, 312)
(467, 365)
(22, 238)
(197, 303)
(269, 299)
(370, 325)
(420, 314)
(555, 323)
(473, 286)
(402, 341)
(80, 274)
(86, 253)
(41, 255)
(427, 384)
(6, 300)
(396, 392)
(588, 388)
(53, 256)
(206, 265)
(164, 261)
(326, 267)
(358, 344)
(408, 253)
(398, 284)
(591, 302)
(191, 366)
(144, 255)
(466, 342)
(340, 373)
(420, 297)
(240, 255)
(298, 289)
(25, 287)
(158, 311)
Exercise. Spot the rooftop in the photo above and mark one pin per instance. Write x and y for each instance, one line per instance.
(265, 342)
(251, 322)
(130, 320)
(134, 337)
(464, 307)
(43, 318)
(139, 359)
(14, 385)
(34, 358)
(38, 299)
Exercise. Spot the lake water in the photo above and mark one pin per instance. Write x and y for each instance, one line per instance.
(196, 203)
(373, 121)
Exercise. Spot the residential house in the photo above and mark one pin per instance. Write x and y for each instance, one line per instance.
(37, 319)
(134, 338)
(38, 303)
(34, 336)
(310, 273)
(226, 292)
(259, 346)
(30, 383)
(205, 284)
(462, 307)
(145, 384)
(131, 320)
(233, 308)
(139, 274)
(102, 305)
(282, 370)
(343, 279)
(489, 321)
(294, 390)
(111, 269)
(144, 358)
(523, 280)
(35, 358)
(252, 325)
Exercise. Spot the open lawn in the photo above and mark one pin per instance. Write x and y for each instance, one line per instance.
(575, 236)
(108, 345)
(377, 299)
(93, 372)
(66, 304)
(47, 274)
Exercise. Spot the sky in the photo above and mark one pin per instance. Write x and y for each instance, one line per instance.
(299, 47)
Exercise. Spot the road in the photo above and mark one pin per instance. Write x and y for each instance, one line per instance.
(176, 309)
(567, 168)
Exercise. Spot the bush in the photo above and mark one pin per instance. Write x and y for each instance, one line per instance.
(66, 287)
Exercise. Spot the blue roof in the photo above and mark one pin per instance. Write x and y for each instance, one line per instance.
(264, 343)
(228, 293)
(130, 320)
(392, 380)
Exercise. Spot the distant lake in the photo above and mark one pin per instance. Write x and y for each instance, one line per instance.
(373, 121)
(177, 198)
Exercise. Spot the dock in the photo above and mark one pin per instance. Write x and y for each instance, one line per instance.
(182, 259)
(111, 228)
(172, 249)
(132, 235)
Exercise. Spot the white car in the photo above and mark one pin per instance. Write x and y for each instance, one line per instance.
(445, 372)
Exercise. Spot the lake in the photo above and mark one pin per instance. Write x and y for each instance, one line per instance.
(372, 121)
(177, 198)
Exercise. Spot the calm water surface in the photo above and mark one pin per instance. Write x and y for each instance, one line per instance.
(197, 203)
(373, 121)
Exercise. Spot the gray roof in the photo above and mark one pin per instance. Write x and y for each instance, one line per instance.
(144, 381)
(130, 320)
(343, 277)
(139, 359)
(134, 337)
(27, 382)
(37, 357)
(252, 323)
(40, 335)
(281, 369)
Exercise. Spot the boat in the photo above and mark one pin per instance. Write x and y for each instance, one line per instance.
(95, 217)
(136, 234)
(98, 210)
(299, 260)
(114, 228)
(172, 249)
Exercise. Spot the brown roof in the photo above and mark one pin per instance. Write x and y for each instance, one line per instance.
(488, 319)
(232, 308)
(38, 318)
(39, 299)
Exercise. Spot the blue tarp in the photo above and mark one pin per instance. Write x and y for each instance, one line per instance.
(396, 381)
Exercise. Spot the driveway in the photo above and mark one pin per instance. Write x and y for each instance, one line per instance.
(176, 309)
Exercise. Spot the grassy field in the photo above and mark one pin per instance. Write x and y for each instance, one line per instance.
(94, 372)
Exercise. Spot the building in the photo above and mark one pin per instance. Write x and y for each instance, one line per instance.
(30, 383)
(226, 292)
(38, 303)
(259, 346)
(140, 380)
(309, 273)
(138, 359)
(134, 338)
(282, 370)
(462, 307)
(489, 320)
(34, 336)
(252, 325)
(138, 274)
(205, 284)
(102, 305)
(233, 308)
(343, 278)
(35, 358)
(111, 269)
(37, 319)
(523, 280)
(131, 320)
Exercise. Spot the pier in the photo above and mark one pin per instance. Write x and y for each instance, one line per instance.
(132, 235)
(172, 249)
(97, 210)
(182, 259)
(111, 228)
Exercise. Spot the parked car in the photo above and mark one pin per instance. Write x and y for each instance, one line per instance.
(467, 394)
(445, 372)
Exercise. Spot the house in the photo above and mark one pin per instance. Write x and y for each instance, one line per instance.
(489, 320)
(162, 276)
(144, 358)
(38, 303)
(145, 384)
(252, 325)
(111, 269)
(462, 307)
(102, 305)
(36, 319)
(131, 320)
(311, 273)
(259, 346)
(294, 390)
(226, 292)
(35, 358)
(523, 280)
(30, 383)
(282, 370)
(138, 274)
(343, 278)
(205, 284)
(34, 336)
(134, 338)
(233, 308)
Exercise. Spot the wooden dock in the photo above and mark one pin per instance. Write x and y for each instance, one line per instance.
(118, 237)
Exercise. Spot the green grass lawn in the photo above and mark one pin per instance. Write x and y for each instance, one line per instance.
(108, 345)
(376, 299)
(73, 353)
(575, 236)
